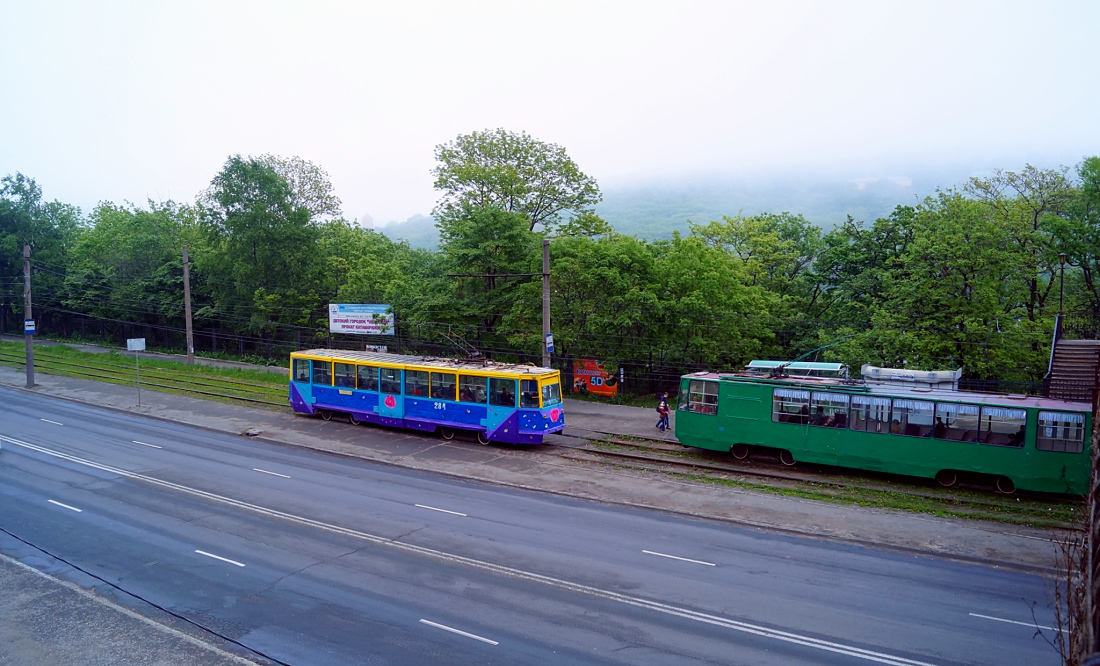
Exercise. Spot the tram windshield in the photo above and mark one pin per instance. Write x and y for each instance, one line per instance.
(551, 394)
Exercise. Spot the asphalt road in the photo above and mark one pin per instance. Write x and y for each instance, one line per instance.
(315, 559)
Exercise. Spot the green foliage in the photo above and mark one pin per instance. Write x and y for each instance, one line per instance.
(511, 172)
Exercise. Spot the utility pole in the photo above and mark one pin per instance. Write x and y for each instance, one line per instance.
(28, 314)
(187, 307)
(546, 340)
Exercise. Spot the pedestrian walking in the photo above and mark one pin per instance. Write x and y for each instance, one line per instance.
(663, 412)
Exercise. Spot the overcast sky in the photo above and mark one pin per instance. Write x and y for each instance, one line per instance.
(128, 101)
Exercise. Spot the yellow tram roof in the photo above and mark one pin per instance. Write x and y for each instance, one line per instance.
(472, 366)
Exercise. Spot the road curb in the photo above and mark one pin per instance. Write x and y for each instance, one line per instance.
(749, 524)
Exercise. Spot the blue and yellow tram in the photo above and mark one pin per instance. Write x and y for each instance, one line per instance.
(514, 404)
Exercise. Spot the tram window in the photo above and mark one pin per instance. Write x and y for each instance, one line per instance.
(871, 415)
(472, 389)
(551, 394)
(914, 417)
(390, 380)
(682, 398)
(829, 410)
(958, 423)
(790, 406)
(443, 385)
(322, 373)
(1002, 426)
(416, 383)
(301, 370)
(529, 393)
(368, 378)
(1061, 431)
(344, 374)
(702, 397)
(502, 392)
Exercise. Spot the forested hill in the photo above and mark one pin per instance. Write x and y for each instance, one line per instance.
(654, 211)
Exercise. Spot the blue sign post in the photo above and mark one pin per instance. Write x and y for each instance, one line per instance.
(550, 343)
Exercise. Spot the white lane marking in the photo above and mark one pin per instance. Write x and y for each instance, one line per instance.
(218, 557)
(682, 559)
(71, 508)
(424, 506)
(257, 469)
(1026, 624)
(500, 569)
(53, 422)
(129, 613)
(456, 631)
(152, 446)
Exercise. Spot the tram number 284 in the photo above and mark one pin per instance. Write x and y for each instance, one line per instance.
(439, 405)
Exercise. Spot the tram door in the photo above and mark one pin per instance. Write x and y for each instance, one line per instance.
(390, 404)
(502, 404)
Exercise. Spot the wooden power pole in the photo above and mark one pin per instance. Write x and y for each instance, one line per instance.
(28, 314)
(546, 344)
(187, 307)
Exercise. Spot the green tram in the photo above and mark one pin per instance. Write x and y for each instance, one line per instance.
(1024, 441)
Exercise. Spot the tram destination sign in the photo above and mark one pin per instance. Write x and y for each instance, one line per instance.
(360, 318)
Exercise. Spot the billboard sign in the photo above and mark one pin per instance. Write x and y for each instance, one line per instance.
(135, 344)
(360, 319)
(590, 376)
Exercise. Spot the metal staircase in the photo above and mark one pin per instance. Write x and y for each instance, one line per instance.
(1074, 359)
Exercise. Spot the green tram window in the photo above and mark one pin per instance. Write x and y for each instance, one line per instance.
(502, 392)
(390, 380)
(914, 417)
(368, 377)
(870, 414)
(322, 373)
(344, 374)
(443, 385)
(790, 406)
(703, 397)
(958, 423)
(1061, 431)
(1003, 426)
(301, 370)
(472, 389)
(529, 393)
(829, 410)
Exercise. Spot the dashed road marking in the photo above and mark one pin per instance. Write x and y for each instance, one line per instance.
(264, 471)
(682, 559)
(1026, 624)
(152, 446)
(53, 422)
(458, 631)
(71, 508)
(424, 506)
(219, 557)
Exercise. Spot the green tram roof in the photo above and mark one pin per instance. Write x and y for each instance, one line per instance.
(864, 387)
(796, 365)
(456, 364)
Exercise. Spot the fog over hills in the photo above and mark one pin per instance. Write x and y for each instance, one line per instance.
(653, 210)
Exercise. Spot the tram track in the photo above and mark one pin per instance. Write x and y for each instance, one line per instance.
(694, 464)
(117, 375)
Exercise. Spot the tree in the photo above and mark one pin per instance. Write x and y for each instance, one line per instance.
(50, 228)
(262, 259)
(310, 186)
(1079, 236)
(511, 172)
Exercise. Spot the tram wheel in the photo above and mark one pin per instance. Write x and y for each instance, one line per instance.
(740, 451)
(326, 414)
(947, 477)
(447, 433)
(354, 421)
(482, 437)
(1005, 485)
(786, 458)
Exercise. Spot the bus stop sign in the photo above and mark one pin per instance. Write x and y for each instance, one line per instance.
(28, 327)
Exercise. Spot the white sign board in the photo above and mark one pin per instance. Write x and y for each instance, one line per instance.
(28, 326)
(135, 344)
(360, 319)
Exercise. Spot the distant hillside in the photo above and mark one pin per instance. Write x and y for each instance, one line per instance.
(654, 211)
(419, 230)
